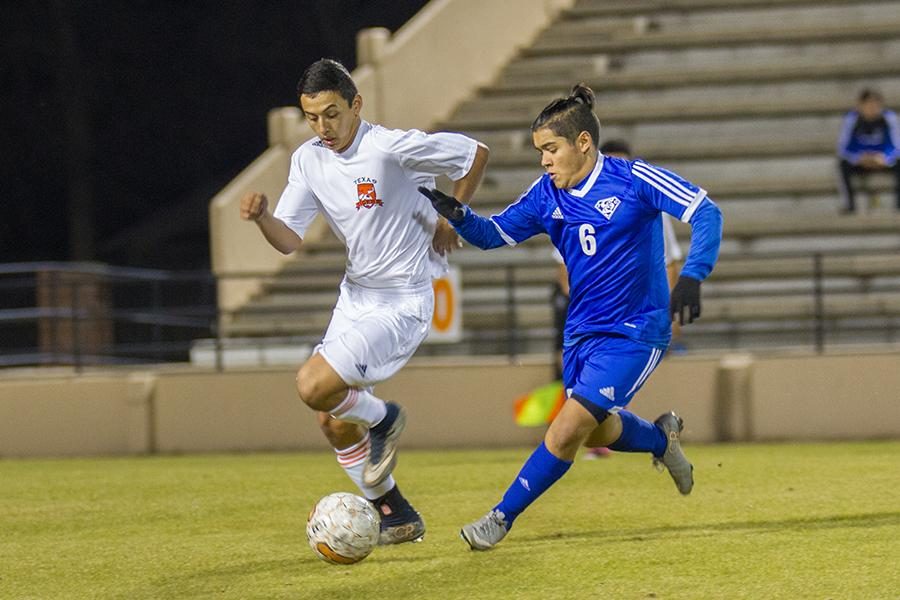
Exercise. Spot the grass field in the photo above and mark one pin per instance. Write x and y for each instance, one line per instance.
(764, 521)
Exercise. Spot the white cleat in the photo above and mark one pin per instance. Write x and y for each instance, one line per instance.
(486, 532)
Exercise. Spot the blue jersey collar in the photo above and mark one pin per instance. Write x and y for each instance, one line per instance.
(587, 183)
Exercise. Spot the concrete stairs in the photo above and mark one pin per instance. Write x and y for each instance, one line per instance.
(742, 97)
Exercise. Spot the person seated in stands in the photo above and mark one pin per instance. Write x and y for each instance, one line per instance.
(869, 142)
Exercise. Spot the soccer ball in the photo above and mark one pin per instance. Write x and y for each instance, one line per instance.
(343, 529)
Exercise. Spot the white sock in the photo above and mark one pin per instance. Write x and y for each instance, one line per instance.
(353, 459)
(360, 407)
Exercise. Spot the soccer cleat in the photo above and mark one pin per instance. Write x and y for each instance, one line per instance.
(406, 527)
(681, 470)
(383, 445)
(486, 532)
(399, 520)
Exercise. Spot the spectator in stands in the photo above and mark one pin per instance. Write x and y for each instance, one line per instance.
(362, 178)
(869, 142)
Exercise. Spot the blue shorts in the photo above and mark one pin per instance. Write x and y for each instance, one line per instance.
(604, 372)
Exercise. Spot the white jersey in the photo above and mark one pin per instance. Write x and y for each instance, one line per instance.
(673, 250)
(368, 195)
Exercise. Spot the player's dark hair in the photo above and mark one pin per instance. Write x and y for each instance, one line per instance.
(327, 75)
(568, 117)
(870, 94)
(615, 146)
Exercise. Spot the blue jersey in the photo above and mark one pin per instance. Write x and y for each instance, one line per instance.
(609, 232)
(859, 136)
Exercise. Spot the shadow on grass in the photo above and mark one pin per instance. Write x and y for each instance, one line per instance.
(864, 520)
(304, 576)
(224, 579)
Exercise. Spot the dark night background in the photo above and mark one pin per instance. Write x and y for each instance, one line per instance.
(122, 119)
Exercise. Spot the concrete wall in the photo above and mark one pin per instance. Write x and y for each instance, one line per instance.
(72, 416)
(446, 52)
(830, 397)
(237, 246)
(450, 404)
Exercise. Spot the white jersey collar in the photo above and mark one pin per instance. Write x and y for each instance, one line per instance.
(364, 126)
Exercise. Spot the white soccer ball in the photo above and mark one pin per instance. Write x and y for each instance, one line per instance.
(343, 528)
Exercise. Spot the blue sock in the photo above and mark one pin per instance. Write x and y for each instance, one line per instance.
(539, 472)
(639, 435)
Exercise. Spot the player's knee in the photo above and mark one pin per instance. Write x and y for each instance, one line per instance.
(310, 388)
(563, 439)
(317, 392)
(606, 432)
(562, 446)
(566, 435)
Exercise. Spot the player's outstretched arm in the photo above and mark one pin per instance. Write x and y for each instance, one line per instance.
(447, 206)
(255, 207)
(473, 228)
(706, 236)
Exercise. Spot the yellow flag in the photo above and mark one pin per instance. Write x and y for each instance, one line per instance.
(539, 406)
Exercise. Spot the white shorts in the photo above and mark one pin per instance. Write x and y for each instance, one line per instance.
(373, 333)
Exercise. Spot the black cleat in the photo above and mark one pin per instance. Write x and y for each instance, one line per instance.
(400, 522)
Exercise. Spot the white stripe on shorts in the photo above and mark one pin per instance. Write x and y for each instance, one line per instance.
(655, 354)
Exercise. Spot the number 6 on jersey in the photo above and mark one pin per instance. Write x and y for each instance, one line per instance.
(587, 239)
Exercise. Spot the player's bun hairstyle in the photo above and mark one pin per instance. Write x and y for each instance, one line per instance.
(568, 117)
(326, 75)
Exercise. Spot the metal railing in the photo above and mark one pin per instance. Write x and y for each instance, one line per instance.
(84, 314)
(515, 317)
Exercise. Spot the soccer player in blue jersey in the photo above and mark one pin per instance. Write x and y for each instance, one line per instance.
(603, 214)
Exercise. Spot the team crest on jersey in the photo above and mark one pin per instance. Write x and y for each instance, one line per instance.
(366, 195)
(608, 206)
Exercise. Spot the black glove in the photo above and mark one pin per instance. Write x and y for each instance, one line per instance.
(686, 295)
(447, 206)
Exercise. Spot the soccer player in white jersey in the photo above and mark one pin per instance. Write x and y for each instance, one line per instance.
(603, 214)
(362, 178)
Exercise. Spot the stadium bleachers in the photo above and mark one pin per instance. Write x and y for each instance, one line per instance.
(742, 97)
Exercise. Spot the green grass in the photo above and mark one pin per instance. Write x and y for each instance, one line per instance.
(764, 521)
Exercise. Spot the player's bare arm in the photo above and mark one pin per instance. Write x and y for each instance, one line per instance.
(464, 189)
(255, 207)
(445, 237)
